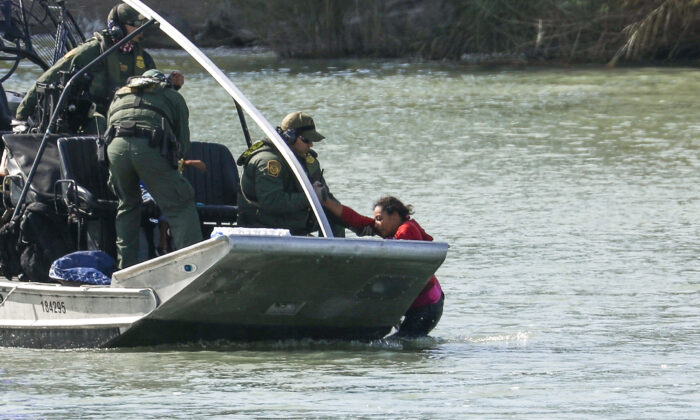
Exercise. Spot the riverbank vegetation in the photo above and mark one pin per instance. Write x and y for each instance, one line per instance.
(607, 31)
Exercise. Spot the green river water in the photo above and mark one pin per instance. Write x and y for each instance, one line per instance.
(570, 198)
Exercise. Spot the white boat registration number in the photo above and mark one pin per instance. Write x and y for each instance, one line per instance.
(53, 306)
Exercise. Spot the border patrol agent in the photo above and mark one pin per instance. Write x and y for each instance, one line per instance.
(147, 139)
(270, 195)
(108, 75)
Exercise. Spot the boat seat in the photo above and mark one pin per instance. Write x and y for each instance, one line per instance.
(23, 149)
(215, 190)
(87, 197)
(87, 192)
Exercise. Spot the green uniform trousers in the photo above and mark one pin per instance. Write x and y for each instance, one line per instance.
(131, 160)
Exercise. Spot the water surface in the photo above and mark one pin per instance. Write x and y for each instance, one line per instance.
(570, 199)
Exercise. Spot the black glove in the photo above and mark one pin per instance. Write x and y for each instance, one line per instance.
(321, 191)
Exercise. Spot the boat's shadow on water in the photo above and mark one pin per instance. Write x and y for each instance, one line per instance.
(390, 343)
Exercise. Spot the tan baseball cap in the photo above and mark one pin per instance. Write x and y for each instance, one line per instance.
(303, 124)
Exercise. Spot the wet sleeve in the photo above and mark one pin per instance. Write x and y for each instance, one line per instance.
(270, 192)
(354, 219)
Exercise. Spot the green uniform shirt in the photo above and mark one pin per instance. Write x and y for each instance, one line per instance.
(277, 199)
(108, 75)
(156, 103)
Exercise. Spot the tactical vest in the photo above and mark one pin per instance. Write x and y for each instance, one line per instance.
(123, 101)
(310, 164)
(158, 127)
(256, 148)
(243, 160)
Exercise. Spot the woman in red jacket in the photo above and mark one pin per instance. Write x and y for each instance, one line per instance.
(392, 220)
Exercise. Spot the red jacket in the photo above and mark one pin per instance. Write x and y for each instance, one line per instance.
(410, 229)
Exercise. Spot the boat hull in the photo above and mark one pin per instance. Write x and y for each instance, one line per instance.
(54, 316)
(241, 288)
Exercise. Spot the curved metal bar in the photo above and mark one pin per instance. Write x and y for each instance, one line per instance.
(244, 125)
(12, 69)
(249, 108)
(59, 105)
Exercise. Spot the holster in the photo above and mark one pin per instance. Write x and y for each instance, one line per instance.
(102, 143)
(169, 147)
(130, 129)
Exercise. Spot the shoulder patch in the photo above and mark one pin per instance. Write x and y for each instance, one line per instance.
(274, 168)
(123, 67)
(310, 159)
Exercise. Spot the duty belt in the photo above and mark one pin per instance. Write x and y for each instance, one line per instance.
(152, 134)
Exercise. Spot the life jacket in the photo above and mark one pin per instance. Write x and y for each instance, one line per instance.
(299, 222)
(256, 148)
(310, 164)
(243, 159)
(122, 101)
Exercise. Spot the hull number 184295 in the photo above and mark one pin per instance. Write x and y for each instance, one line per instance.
(53, 306)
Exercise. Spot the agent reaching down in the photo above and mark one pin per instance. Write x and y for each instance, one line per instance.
(270, 194)
(147, 138)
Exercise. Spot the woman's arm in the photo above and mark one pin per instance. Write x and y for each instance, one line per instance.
(334, 207)
(349, 216)
(353, 219)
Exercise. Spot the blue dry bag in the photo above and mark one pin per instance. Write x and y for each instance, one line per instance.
(83, 267)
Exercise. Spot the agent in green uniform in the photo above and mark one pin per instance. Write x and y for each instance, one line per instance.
(149, 132)
(270, 195)
(107, 76)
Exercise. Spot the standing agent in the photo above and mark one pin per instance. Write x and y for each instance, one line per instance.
(270, 194)
(107, 76)
(392, 220)
(149, 132)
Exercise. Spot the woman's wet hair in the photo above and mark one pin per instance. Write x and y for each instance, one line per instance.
(392, 205)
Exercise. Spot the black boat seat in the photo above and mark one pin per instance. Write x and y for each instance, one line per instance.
(23, 150)
(84, 191)
(84, 184)
(215, 190)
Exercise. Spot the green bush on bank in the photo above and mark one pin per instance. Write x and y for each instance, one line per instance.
(559, 30)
